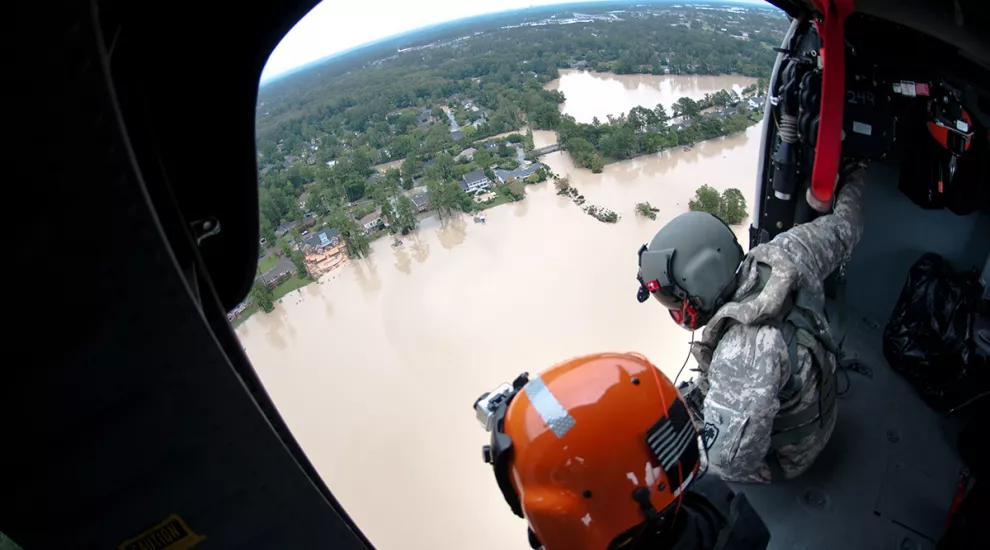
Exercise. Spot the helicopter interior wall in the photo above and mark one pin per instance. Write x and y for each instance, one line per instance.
(896, 233)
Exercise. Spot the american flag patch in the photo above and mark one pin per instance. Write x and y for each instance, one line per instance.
(673, 442)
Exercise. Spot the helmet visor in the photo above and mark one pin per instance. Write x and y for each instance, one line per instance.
(655, 270)
(667, 299)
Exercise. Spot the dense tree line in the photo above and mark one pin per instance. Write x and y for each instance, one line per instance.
(645, 130)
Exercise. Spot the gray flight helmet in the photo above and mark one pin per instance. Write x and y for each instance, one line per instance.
(694, 256)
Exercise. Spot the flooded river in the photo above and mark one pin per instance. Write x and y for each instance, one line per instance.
(375, 367)
(591, 94)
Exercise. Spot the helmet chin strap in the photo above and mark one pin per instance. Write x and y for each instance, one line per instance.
(688, 317)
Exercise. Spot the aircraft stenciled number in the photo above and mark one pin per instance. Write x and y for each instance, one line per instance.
(861, 97)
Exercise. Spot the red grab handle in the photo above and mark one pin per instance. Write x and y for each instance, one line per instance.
(829, 144)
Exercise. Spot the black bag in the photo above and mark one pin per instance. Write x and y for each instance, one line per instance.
(929, 338)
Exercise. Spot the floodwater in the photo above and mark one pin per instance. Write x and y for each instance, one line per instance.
(542, 138)
(376, 366)
(591, 94)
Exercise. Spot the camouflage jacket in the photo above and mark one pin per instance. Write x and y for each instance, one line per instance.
(744, 361)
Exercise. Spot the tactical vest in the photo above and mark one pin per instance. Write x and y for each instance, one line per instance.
(798, 326)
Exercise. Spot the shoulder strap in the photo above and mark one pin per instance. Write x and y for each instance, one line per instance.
(764, 272)
(800, 327)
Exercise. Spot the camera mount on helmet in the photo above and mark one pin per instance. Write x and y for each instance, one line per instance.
(490, 410)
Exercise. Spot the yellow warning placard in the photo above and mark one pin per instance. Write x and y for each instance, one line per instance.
(171, 534)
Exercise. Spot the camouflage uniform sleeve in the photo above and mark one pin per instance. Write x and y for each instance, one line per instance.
(823, 244)
(746, 373)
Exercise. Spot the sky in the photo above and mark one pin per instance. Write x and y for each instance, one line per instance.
(334, 26)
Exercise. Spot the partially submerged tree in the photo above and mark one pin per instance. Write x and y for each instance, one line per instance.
(356, 242)
(706, 199)
(646, 209)
(733, 206)
(730, 206)
(406, 214)
(262, 296)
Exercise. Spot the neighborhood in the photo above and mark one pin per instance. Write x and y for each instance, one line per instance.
(323, 249)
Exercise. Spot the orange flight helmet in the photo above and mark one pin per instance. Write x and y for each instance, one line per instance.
(593, 451)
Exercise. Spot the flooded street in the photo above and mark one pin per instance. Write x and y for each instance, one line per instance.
(591, 94)
(376, 366)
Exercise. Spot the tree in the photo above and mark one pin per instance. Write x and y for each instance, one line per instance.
(323, 196)
(482, 158)
(445, 166)
(625, 65)
(267, 230)
(355, 240)
(661, 114)
(528, 142)
(646, 209)
(730, 206)
(406, 214)
(584, 154)
(439, 201)
(642, 118)
(383, 200)
(619, 144)
(687, 107)
(297, 259)
(596, 163)
(706, 199)
(651, 142)
(733, 206)
(409, 168)
(515, 190)
(504, 150)
(262, 296)
(393, 177)
(355, 187)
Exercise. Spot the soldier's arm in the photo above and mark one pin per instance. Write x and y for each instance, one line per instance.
(747, 369)
(823, 244)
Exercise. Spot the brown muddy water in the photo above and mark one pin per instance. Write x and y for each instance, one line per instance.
(591, 94)
(375, 367)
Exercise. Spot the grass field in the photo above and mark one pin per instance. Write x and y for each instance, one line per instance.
(290, 284)
(267, 262)
(498, 200)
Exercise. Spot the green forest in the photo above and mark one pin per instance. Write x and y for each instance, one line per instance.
(321, 132)
(645, 130)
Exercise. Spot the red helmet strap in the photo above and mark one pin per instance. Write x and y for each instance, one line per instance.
(687, 316)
